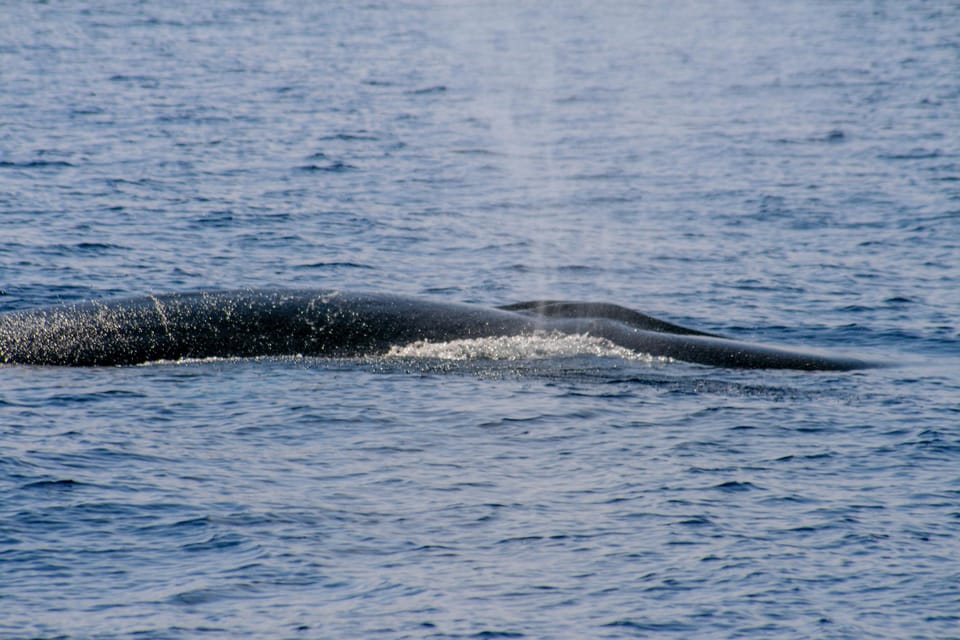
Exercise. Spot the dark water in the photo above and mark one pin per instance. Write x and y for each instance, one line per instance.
(783, 172)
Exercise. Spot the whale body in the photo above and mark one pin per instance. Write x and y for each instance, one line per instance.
(283, 322)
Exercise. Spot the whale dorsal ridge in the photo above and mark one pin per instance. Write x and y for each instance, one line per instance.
(576, 309)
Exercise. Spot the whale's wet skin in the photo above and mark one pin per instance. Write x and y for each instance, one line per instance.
(250, 323)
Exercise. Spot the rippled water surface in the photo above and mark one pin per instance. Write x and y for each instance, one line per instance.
(786, 174)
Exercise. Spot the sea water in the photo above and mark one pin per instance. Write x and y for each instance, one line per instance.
(787, 173)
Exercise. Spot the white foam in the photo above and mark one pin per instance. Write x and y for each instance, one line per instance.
(524, 347)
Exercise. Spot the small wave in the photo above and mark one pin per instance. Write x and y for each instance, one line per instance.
(214, 359)
(333, 167)
(66, 483)
(350, 137)
(525, 347)
(334, 265)
(428, 90)
(912, 154)
(35, 164)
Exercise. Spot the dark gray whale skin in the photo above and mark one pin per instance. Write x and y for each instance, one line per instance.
(278, 322)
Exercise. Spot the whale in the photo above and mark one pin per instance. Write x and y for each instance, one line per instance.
(249, 323)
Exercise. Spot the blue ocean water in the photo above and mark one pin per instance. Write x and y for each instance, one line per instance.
(780, 172)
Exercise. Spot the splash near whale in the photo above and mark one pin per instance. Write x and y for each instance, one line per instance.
(285, 322)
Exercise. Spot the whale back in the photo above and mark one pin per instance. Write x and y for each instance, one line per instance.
(243, 323)
(144, 329)
(281, 322)
(576, 309)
